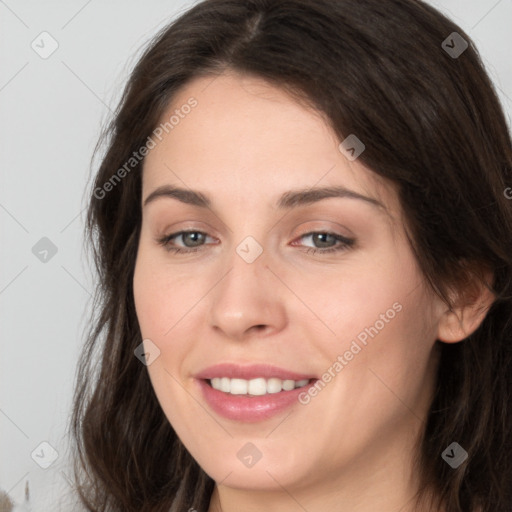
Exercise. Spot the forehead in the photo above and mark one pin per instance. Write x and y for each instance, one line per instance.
(246, 137)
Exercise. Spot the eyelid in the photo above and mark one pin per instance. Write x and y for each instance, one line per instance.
(324, 226)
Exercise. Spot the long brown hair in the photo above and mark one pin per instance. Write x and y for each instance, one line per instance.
(432, 124)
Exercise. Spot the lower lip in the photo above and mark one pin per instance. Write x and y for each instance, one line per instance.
(249, 408)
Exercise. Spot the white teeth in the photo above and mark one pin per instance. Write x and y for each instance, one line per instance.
(288, 385)
(225, 384)
(258, 387)
(274, 385)
(238, 387)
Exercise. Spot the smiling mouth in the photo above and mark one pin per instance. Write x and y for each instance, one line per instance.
(256, 387)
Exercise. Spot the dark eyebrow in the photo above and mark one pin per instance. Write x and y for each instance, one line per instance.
(307, 196)
(181, 194)
(290, 199)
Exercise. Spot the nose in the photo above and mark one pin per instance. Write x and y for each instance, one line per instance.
(248, 300)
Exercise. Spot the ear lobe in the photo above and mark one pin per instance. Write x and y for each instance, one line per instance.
(473, 305)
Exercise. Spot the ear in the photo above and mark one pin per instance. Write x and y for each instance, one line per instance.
(471, 305)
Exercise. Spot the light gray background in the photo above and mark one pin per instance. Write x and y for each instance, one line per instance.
(51, 114)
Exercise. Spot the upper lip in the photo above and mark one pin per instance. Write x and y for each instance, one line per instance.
(248, 372)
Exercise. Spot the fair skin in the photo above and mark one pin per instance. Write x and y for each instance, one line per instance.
(351, 447)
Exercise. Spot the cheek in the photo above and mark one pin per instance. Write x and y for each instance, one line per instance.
(383, 327)
(363, 300)
(161, 300)
(167, 312)
(392, 374)
(144, 293)
(160, 294)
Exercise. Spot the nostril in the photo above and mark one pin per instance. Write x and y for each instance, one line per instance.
(258, 328)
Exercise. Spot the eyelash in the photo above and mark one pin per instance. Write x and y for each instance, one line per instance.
(346, 243)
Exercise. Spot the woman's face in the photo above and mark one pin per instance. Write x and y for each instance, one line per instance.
(351, 330)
